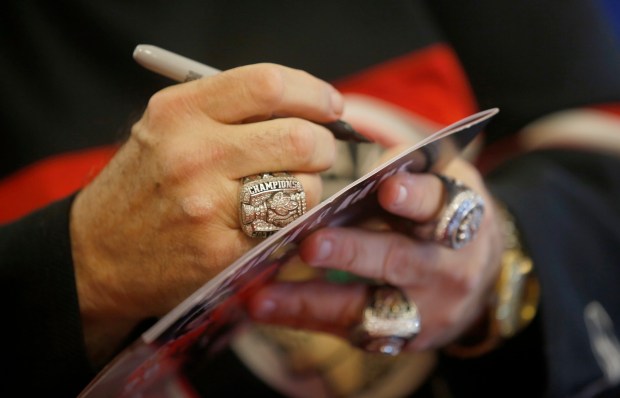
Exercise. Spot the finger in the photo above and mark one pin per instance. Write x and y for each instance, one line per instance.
(338, 308)
(265, 90)
(276, 145)
(387, 256)
(418, 197)
(316, 305)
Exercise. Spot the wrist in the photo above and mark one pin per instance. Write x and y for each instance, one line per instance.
(513, 302)
(105, 326)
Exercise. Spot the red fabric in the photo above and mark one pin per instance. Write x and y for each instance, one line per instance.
(50, 179)
(509, 147)
(610, 108)
(429, 82)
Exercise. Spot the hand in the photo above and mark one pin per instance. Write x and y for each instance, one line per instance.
(162, 218)
(450, 287)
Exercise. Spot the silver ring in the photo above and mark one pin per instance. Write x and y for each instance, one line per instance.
(268, 202)
(389, 321)
(459, 220)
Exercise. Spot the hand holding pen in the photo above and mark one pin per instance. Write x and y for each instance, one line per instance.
(267, 201)
(163, 217)
(182, 69)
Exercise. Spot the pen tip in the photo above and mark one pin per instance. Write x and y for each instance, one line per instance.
(345, 132)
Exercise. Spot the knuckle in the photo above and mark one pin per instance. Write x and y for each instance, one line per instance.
(166, 110)
(266, 85)
(300, 141)
(177, 164)
(162, 105)
(418, 202)
(346, 254)
(424, 205)
(159, 102)
(180, 162)
(399, 266)
(140, 134)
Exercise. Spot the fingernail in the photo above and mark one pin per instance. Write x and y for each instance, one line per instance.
(325, 250)
(337, 102)
(265, 309)
(402, 195)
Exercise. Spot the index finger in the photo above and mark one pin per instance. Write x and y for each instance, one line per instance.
(382, 255)
(266, 90)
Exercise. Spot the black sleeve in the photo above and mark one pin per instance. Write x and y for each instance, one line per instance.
(41, 326)
(532, 57)
(568, 209)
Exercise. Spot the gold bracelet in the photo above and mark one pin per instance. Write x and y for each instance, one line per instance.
(514, 303)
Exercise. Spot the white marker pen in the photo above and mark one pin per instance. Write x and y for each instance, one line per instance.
(171, 65)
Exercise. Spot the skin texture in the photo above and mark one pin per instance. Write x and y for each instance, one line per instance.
(161, 219)
(450, 287)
